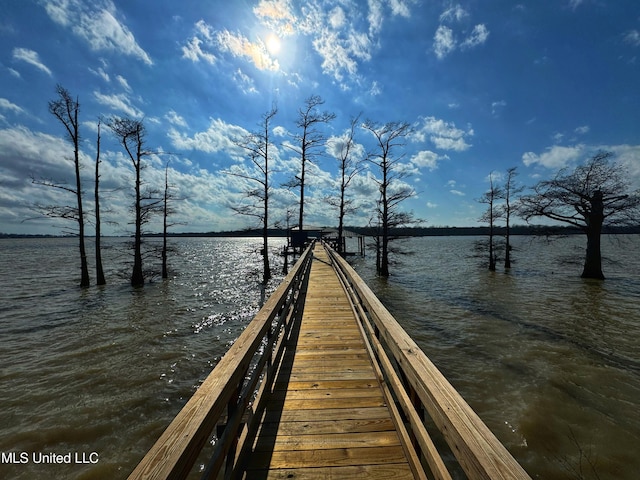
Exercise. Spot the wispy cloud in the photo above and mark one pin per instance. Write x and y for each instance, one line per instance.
(120, 102)
(497, 106)
(12, 107)
(632, 37)
(244, 82)
(31, 57)
(454, 12)
(573, 4)
(277, 15)
(101, 73)
(123, 83)
(97, 24)
(445, 40)
(194, 52)
(478, 36)
(173, 118)
(240, 46)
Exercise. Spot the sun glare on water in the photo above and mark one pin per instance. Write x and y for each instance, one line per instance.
(273, 44)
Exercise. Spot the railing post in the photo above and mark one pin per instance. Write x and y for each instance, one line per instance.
(232, 406)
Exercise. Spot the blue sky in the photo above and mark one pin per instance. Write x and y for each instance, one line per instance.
(486, 85)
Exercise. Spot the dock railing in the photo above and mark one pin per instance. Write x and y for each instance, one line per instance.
(227, 396)
(418, 387)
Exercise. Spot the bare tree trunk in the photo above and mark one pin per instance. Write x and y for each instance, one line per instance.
(137, 276)
(84, 282)
(99, 271)
(593, 259)
(384, 259)
(265, 225)
(165, 273)
(66, 110)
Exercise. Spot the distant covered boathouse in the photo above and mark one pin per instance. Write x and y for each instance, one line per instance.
(352, 243)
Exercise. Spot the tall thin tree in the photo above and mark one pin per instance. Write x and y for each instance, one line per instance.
(99, 270)
(389, 138)
(308, 143)
(509, 190)
(167, 211)
(66, 109)
(343, 148)
(258, 146)
(490, 198)
(131, 135)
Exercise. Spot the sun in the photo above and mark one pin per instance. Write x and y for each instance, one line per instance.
(273, 44)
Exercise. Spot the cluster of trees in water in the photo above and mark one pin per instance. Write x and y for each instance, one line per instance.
(595, 194)
(147, 202)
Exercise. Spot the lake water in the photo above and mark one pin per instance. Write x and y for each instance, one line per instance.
(548, 360)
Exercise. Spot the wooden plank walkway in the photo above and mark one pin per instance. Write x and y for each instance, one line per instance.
(326, 416)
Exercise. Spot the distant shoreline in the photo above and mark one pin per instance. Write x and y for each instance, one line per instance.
(544, 230)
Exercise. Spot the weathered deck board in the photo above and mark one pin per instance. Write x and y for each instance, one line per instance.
(327, 415)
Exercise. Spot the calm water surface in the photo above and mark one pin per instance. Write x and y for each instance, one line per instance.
(548, 360)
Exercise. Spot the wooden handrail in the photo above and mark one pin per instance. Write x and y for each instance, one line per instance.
(175, 452)
(478, 451)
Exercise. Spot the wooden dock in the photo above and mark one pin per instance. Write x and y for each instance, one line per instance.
(327, 416)
(324, 384)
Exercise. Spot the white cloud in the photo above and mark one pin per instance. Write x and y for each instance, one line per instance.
(244, 82)
(400, 7)
(123, 82)
(205, 30)
(119, 102)
(218, 137)
(375, 89)
(478, 36)
(97, 24)
(573, 4)
(458, 192)
(375, 16)
(443, 42)
(337, 60)
(454, 12)
(31, 57)
(337, 145)
(240, 46)
(338, 38)
(101, 73)
(7, 105)
(277, 15)
(426, 159)
(497, 106)
(280, 131)
(555, 157)
(582, 130)
(444, 135)
(632, 37)
(337, 18)
(175, 119)
(194, 52)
